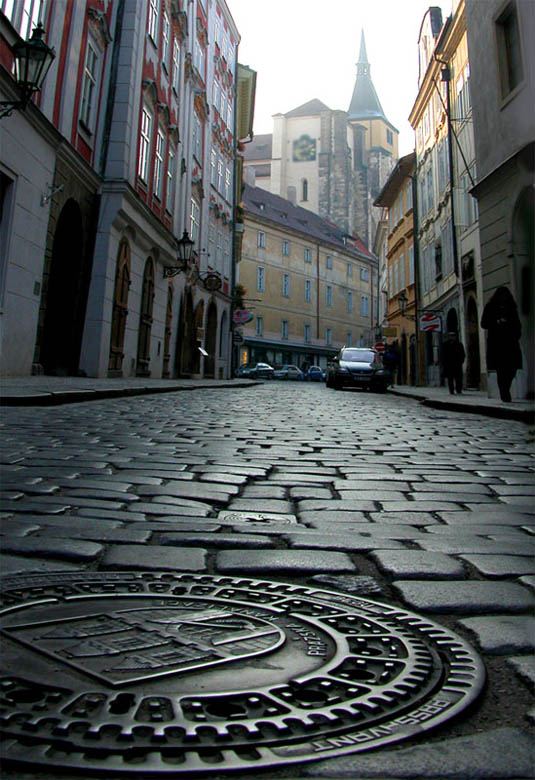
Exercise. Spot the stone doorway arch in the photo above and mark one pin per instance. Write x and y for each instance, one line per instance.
(145, 320)
(120, 311)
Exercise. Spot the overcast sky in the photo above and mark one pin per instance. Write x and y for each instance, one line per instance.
(306, 49)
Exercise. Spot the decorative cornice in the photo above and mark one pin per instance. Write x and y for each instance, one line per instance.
(99, 17)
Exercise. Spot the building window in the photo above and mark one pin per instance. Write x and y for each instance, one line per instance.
(145, 320)
(261, 239)
(364, 305)
(329, 295)
(259, 329)
(304, 189)
(198, 59)
(285, 329)
(509, 55)
(307, 334)
(409, 195)
(195, 220)
(411, 265)
(308, 290)
(176, 65)
(229, 114)
(328, 336)
(165, 39)
(197, 137)
(260, 279)
(89, 86)
(389, 137)
(349, 270)
(158, 164)
(144, 145)
(171, 172)
(286, 248)
(227, 184)
(364, 275)
(213, 161)
(286, 285)
(220, 176)
(215, 94)
(328, 261)
(153, 20)
(349, 301)
(402, 272)
(349, 339)
(308, 256)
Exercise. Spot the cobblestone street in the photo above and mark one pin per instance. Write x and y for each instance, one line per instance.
(369, 495)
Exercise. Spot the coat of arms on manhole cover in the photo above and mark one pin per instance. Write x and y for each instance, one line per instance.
(163, 672)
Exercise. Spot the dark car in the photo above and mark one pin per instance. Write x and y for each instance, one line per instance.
(287, 371)
(357, 367)
(314, 374)
(261, 371)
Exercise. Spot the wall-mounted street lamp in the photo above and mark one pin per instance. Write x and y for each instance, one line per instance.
(33, 59)
(403, 301)
(186, 265)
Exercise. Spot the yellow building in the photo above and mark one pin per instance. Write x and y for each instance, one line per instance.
(309, 286)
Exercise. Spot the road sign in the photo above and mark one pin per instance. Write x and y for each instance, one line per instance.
(380, 346)
(237, 337)
(431, 322)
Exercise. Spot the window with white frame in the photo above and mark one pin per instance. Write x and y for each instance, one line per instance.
(411, 265)
(197, 137)
(307, 334)
(349, 339)
(176, 65)
(349, 270)
(87, 108)
(166, 28)
(402, 272)
(259, 329)
(213, 169)
(328, 261)
(229, 114)
(198, 58)
(215, 93)
(328, 336)
(195, 221)
(228, 190)
(260, 279)
(408, 194)
(286, 285)
(158, 163)
(285, 329)
(24, 16)
(349, 301)
(286, 248)
(364, 305)
(396, 276)
(261, 239)
(153, 20)
(171, 175)
(329, 295)
(308, 290)
(211, 241)
(220, 175)
(308, 255)
(222, 103)
(144, 145)
(364, 275)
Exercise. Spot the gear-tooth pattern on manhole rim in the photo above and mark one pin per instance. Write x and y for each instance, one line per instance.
(160, 673)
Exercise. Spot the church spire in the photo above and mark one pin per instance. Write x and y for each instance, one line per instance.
(364, 102)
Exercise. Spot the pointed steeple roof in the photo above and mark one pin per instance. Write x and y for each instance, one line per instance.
(364, 103)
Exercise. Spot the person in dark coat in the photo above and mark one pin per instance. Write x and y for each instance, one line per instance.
(453, 356)
(390, 362)
(500, 320)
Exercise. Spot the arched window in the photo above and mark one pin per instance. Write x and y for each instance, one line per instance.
(120, 310)
(304, 189)
(145, 320)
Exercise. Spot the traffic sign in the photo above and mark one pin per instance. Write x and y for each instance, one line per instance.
(380, 346)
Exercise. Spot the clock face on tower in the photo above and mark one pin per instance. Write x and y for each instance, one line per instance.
(304, 149)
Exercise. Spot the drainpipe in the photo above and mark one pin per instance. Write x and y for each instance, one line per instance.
(318, 291)
(113, 87)
(446, 75)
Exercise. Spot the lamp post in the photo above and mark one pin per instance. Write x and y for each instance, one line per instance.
(33, 59)
(185, 265)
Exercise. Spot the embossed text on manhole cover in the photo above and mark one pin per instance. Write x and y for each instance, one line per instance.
(161, 672)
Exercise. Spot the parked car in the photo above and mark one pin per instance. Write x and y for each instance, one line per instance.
(287, 371)
(243, 371)
(314, 374)
(261, 371)
(357, 367)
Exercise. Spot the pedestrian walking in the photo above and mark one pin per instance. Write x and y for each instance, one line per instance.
(390, 362)
(500, 320)
(453, 356)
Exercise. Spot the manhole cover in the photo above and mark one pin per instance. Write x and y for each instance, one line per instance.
(159, 672)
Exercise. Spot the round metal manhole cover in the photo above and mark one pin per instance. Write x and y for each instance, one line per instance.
(162, 673)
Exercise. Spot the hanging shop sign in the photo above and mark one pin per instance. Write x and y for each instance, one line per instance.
(242, 316)
(431, 321)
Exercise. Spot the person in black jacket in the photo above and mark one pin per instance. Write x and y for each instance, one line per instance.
(453, 356)
(501, 321)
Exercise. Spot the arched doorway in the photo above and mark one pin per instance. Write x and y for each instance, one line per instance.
(452, 321)
(120, 311)
(524, 275)
(198, 336)
(145, 320)
(473, 364)
(210, 341)
(66, 296)
(167, 333)
(185, 347)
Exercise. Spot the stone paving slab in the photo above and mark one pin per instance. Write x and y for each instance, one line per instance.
(333, 541)
(217, 540)
(499, 754)
(495, 566)
(54, 547)
(293, 562)
(137, 557)
(503, 634)
(465, 597)
(415, 564)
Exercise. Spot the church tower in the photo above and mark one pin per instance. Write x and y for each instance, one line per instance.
(374, 145)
